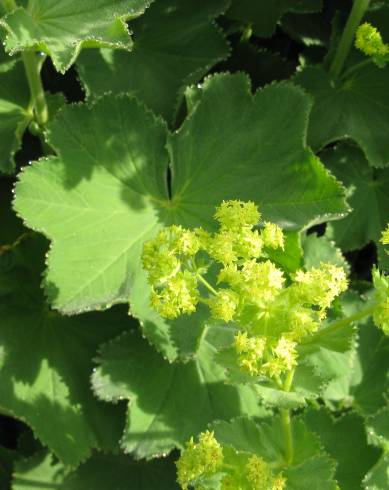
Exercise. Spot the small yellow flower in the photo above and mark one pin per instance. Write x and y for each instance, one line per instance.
(381, 313)
(272, 236)
(385, 236)
(224, 305)
(320, 286)
(279, 483)
(285, 352)
(369, 41)
(203, 458)
(261, 281)
(180, 295)
(234, 215)
(221, 247)
(259, 473)
(250, 352)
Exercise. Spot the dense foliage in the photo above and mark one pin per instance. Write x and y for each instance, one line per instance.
(194, 208)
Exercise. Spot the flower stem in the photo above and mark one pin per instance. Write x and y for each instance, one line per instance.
(38, 100)
(288, 435)
(289, 380)
(356, 67)
(344, 322)
(287, 421)
(206, 284)
(357, 12)
(32, 68)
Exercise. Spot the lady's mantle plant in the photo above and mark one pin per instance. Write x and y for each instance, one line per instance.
(255, 355)
(272, 314)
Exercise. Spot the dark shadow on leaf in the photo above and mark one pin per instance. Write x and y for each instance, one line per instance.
(46, 360)
(116, 143)
(173, 401)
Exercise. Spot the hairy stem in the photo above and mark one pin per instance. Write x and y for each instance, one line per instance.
(38, 99)
(357, 12)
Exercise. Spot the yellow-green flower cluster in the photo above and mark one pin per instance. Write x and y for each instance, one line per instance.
(381, 285)
(260, 476)
(179, 295)
(385, 236)
(234, 215)
(272, 236)
(369, 41)
(250, 351)
(381, 312)
(258, 281)
(223, 306)
(320, 286)
(197, 460)
(259, 355)
(272, 311)
(165, 258)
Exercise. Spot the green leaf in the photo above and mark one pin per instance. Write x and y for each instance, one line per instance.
(269, 162)
(350, 108)
(371, 383)
(176, 43)
(7, 459)
(310, 29)
(310, 468)
(378, 477)
(307, 383)
(172, 338)
(337, 353)
(332, 352)
(95, 199)
(100, 472)
(11, 227)
(378, 429)
(264, 15)
(290, 258)
(368, 195)
(378, 434)
(383, 257)
(345, 441)
(261, 65)
(15, 113)
(322, 249)
(42, 470)
(106, 192)
(46, 360)
(168, 402)
(62, 29)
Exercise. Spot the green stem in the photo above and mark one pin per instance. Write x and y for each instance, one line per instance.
(356, 67)
(287, 421)
(32, 68)
(206, 284)
(346, 41)
(289, 380)
(288, 435)
(344, 322)
(38, 99)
